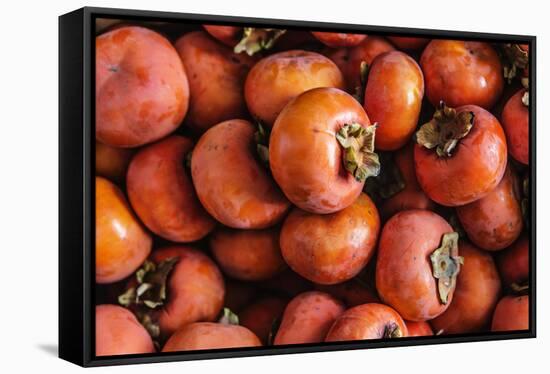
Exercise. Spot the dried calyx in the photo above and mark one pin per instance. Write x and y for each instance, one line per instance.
(515, 58)
(228, 317)
(392, 330)
(363, 74)
(445, 130)
(388, 182)
(358, 156)
(255, 40)
(446, 265)
(261, 138)
(520, 289)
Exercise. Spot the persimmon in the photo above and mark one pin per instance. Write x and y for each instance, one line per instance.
(515, 120)
(367, 321)
(353, 292)
(417, 264)
(162, 193)
(307, 318)
(419, 328)
(231, 183)
(495, 221)
(511, 314)
(460, 155)
(122, 244)
(142, 92)
(216, 77)
(260, 316)
(112, 162)
(321, 150)
(228, 35)
(249, 255)
(462, 73)
(280, 77)
(331, 248)
(409, 43)
(513, 263)
(118, 332)
(476, 295)
(339, 39)
(393, 97)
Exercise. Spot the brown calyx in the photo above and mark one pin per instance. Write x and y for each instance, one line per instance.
(446, 265)
(514, 59)
(388, 182)
(255, 40)
(391, 331)
(358, 156)
(261, 138)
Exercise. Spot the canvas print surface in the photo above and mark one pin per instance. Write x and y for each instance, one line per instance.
(279, 187)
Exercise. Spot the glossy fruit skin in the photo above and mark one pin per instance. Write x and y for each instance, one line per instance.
(515, 120)
(228, 35)
(495, 221)
(122, 244)
(231, 183)
(260, 316)
(409, 43)
(216, 77)
(162, 193)
(349, 60)
(250, 255)
(142, 92)
(195, 288)
(404, 277)
(280, 77)
(118, 332)
(307, 318)
(209, 335)
(112, 162)
(304, 155)
(419, 328)
(337, 39)
(462, 73)
(367, 321)
(331, 248)
(475, 167)
(513, 262)
(476, 295)
(511, 314)
(393, 97)
(352, 292)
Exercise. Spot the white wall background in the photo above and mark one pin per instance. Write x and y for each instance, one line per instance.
(28, 184)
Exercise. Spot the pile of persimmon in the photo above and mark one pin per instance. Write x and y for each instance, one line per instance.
(275, 187)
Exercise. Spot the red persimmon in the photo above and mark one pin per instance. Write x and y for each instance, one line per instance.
(228, 35)
(162, 193)
(513, 263)
(409, 43)
(321, 150)
(260, 316)
(277, 79)
(142, 93)
(469, 158)
(419, 328)
(511, 314)
(367, 321)
(231, 183)
(417, 264)
(515, 120)
(495, 221)
(112, 162)
(462, 73)
(331, 248)
(476, 295)
(338, 39)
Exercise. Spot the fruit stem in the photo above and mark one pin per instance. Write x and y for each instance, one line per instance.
(446, 265)
(391, 331)
(359, 157)
(255, 40)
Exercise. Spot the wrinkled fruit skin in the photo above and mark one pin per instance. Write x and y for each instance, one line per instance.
(305, 156)
(336, 39)
(462, 73)
(511, 314)
(250, 255)
(409, 43)
(331, 248)
(122, 244)
(307, 318)
(515, 120)
(260, 316)
(231, 183)
(513, 262)
(277, 79)
(112, 162)
(404, 275)
(162, 193)
(393, 97)
(195, 288)
(475, 167)
(494, 221)
(228, 35)
(118, 332)
(476, 295)
(419, 328)
(216, 77)
(367, 321)
(209, 335)
(132, 107)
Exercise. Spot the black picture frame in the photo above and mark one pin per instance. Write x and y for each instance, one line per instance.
(76, 187)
